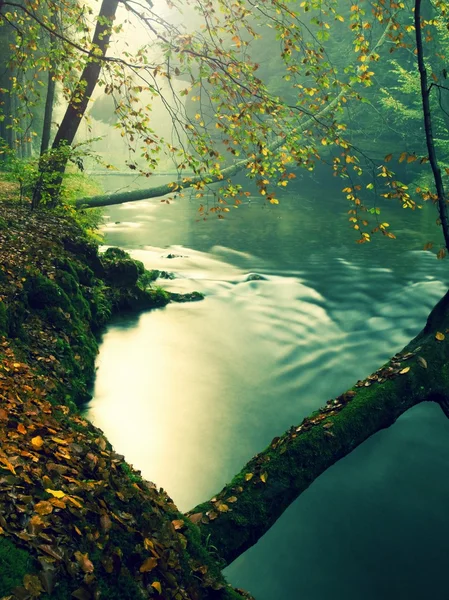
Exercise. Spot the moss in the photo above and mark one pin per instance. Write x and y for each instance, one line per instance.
(44, 293)
(4, 319)
(122, 587)
(14, 564)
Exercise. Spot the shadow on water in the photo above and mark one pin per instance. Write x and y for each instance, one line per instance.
(189, 393)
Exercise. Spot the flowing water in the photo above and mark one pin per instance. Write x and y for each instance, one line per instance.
(190, 392)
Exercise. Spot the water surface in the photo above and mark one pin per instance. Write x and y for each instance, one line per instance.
(190, 392)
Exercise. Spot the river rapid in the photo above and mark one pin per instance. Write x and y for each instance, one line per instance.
(190, 392)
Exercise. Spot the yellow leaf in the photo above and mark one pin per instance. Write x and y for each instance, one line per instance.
(264, 477)
(148, 565)
(439, 336)
(37, 442)
(231, 499)
(148, 544)
(157, 586)
(55, 493)
(249, 476)
(274, 201)
(222, 507)
(404, 371)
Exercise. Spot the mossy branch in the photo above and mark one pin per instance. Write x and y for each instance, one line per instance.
(245, 509)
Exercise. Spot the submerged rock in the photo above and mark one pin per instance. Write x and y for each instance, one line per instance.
(255, 277)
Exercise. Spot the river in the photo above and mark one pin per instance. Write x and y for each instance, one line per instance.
(190, 392)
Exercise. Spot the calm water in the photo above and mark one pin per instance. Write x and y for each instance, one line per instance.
(190, 392)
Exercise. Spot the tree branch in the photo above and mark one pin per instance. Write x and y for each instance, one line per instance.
(157, 192)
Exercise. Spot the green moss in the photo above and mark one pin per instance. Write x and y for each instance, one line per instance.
(132, 475)
(4, 319)
(122, 587)
(14, 564)
(44, 293)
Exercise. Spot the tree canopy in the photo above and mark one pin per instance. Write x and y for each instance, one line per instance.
(268, 88)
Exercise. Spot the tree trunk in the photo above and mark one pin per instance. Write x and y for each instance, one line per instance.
(245, 509)
(49, 100)
(51, 172)
(425, 91)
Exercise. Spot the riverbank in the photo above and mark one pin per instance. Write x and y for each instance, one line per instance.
(75, 519)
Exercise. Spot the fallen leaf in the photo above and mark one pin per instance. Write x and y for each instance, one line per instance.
(196, 518)
(328, 425)
(404, 370)
(157, 586)
(84, 562)
(439, 336)
(55, 493)
(221, 507)
(32, 585)
(231, 499)
(43, 508)
(148, 544)
(212, 515)
(148, 565)
(249, 476)
(422, 362)
(264, 477)
(37, 442)
(178, 524)
(21, 428)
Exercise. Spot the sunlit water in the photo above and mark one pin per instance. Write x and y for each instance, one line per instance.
(190, 392)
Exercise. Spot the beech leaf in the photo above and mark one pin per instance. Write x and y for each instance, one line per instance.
(37, 442)
(148, 565)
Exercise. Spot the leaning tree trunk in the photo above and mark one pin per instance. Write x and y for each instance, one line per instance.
(52, 169)
(245, 509)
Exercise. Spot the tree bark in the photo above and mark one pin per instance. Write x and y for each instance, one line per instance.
(425, 91)
(245, 509)
(53, 169)
(49, 100)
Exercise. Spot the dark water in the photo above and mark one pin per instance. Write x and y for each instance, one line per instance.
(190, 392)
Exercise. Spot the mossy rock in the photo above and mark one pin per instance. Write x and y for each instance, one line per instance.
(122, 273)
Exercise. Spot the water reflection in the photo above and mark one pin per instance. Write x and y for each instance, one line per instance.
(190, 392)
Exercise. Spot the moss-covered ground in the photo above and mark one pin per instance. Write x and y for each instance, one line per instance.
(76, 521)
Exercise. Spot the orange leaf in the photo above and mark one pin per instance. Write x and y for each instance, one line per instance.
(178, 523)
(388, 157)
(148, 565)
(21, 428)
(37, 442)
(439, 336)
(43, 507)
(157, 586)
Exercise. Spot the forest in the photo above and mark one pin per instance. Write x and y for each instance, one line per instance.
(229, 218)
